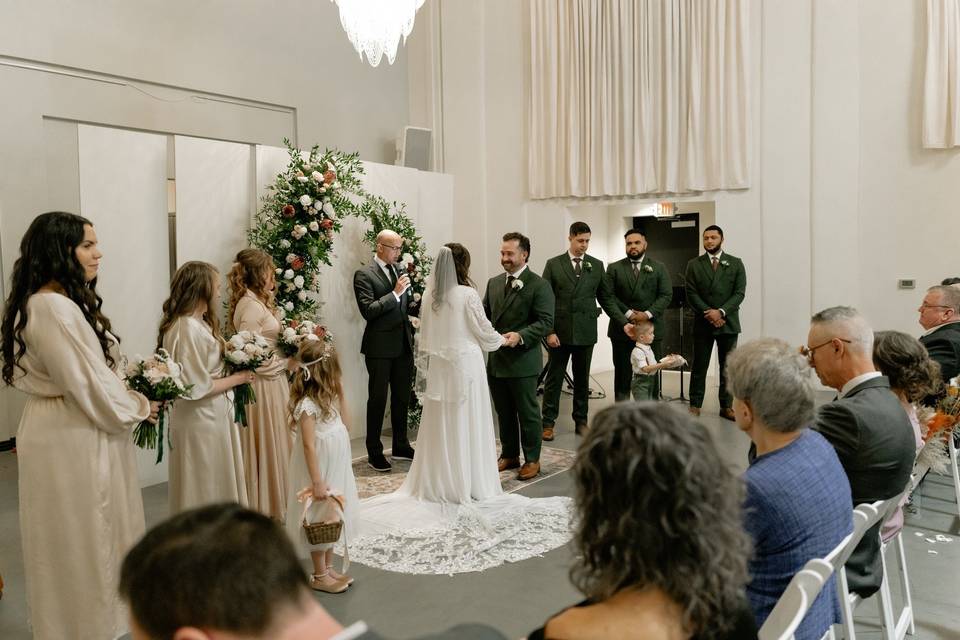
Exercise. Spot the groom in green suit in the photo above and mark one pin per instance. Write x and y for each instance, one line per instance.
(520, 305)
(716, 284)
(640, 285)
(578, 283)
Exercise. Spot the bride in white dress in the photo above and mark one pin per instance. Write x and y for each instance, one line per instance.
(451, 515)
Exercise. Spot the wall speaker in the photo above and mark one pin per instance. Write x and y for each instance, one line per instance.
(415, 148)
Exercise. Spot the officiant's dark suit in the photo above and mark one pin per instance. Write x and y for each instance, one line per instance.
(714, 282)
(641, 284)
(874, 440)
(943, 345)
(387, 347)
(526, 309)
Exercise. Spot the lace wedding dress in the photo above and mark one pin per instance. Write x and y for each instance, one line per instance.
(451, 515)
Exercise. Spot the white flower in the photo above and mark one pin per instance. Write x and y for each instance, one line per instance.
(307, 326)
(414, 322)
(237, 342)
(305, 200)
(330, 234)
(261, 341)
(284, 244)
(154, 375)
(317, 176)
(289, 334)
(330, 167)
(517, 284)
(278, 271)
(318, 205)
(283, 313)
(328, 208)
(310, 336)
(407, 258)
(298, 231)
(301, 179)
(175, 369)
(302, 295)
(314, 225)
(291, 257)
(251, 349)
(239, 357)
(288, 274)
(288, 306)
(298, 282)
(416, 297)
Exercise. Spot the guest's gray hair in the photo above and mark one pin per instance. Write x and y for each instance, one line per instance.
(775, 379)
(949, 296)
(847, 323)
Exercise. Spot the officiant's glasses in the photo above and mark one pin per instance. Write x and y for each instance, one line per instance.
(807, 352)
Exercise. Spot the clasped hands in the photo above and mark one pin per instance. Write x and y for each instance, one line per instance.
(511, 339)
(714, 317)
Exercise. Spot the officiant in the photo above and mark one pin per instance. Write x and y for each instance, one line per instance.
(383, 296)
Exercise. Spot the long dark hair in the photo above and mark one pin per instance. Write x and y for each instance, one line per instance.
(461, 262)
(47, 254)
(905, 361)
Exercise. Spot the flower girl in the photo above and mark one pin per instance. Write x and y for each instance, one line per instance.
(321, 465)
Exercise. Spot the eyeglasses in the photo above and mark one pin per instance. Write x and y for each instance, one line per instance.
(389, 246)
(924, 305)
(807, 352)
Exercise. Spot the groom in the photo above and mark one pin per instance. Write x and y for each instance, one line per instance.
(519, 304)
(383, 296)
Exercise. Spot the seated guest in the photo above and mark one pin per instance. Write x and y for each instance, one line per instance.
(798, 497)
(866, 425)
(949, 281)
(940, 316)
(226, 572)
(913, 375)
(660, 547)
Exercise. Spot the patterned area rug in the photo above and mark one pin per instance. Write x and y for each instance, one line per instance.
(373, 483)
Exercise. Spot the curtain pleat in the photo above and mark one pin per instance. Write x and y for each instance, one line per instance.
(634, 97)
(941, 104)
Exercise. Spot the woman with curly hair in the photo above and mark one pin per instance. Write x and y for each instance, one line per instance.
(913, 377)
(206, 460)
(660, 546)
(80, 504)
(267, 440)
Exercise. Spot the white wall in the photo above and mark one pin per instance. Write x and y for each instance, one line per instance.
(843, 201)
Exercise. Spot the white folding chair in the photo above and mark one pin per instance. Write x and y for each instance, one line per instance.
(864, 517)
(896, 625)
(953, 468)
(796, 600)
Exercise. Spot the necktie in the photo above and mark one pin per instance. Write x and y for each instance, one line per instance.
(636, 268)
(714, 263)
(392, 275)
(509, 285)
(576, 267)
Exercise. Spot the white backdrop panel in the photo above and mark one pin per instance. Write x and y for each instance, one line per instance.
(214, 201)
(123, 192)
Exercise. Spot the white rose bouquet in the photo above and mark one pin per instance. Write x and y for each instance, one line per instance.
(296, 332)
(158, 378)
(245, 351)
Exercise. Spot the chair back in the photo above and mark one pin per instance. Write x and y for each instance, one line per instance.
(796, 600)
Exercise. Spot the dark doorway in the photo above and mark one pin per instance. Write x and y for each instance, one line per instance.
(674, 241)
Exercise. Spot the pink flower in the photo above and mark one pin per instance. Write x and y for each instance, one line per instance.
(329, 177)
(327, 223)
(288, 211)
(297, 263)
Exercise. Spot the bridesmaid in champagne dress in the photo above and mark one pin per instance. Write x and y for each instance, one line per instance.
(266, 442)
(80, 504)
(206, 462)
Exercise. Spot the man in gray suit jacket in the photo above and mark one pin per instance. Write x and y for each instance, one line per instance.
(382, 297)
(866, 425)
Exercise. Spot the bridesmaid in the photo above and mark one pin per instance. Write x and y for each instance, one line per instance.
(80, 504)
(267, 441)
(206, 463)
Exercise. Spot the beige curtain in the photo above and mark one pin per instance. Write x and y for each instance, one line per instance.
(634, 97)
(941, 102)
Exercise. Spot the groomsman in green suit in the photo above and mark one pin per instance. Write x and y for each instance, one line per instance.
(520, 305)
(578, 282)
(716, 284)
(640, 285)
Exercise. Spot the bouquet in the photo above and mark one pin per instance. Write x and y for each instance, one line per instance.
(297, 331)
(158, 378)
(939, 422)
(245, 351)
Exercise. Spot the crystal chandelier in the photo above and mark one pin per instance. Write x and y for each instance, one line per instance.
(375, 26)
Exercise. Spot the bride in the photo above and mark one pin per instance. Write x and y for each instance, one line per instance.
(451, 515)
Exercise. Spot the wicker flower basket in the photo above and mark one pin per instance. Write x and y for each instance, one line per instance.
(323, 532)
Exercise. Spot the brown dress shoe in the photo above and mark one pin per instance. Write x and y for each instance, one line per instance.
(508, 463)
(727, 414)
(528, 471)
(581, 429)
(548, 432)
(695, 411)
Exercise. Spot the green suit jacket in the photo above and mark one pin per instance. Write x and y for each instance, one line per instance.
(575, 317)
(722, 289)
(528, 311)
(650, 291)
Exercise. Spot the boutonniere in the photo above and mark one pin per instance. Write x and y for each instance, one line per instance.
(588, 266)
(517, 284)
(648, 268)
(725, 263)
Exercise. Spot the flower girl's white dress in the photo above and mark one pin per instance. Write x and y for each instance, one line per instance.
(332, 444)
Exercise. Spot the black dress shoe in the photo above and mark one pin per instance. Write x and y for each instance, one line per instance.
(378, 463)
(405, 453)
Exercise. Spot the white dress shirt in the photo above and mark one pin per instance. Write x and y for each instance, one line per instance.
(853, 382)
(639, 263)
(387, 271)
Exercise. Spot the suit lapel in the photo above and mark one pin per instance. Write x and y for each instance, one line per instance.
(379, 272)
(512, 295)
(568, 269)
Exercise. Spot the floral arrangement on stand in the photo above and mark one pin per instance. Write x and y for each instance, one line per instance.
(295, 331)
(413, 259)
(939, 422)
(298, 218)
(158, 378)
